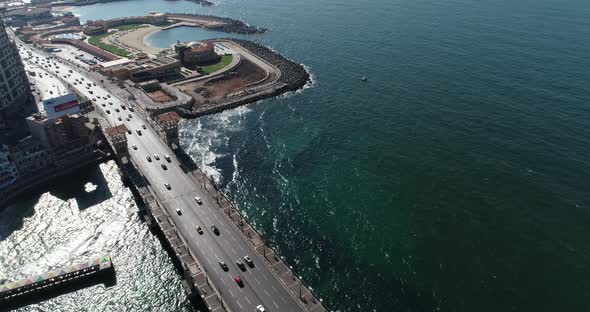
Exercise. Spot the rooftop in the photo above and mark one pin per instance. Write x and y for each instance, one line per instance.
(169, 116)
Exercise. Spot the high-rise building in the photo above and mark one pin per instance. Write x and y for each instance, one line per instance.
(16, 99)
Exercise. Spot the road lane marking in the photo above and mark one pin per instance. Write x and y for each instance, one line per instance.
(285, 301)
(239, 305)
(231, 293)
(248, 300)
(276, 305)
(257, 281)
(266, 292)
(273, 287)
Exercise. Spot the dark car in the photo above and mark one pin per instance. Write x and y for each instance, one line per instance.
(148, 158)
(167, 186)
(240, 265)
(223, 266)
(215, 229)
(164, 167)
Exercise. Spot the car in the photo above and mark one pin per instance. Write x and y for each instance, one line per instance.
(108, 95)
(164, 167)
(119, 118)
(260, 308)
(110, 103)
(134, 146)
(198, 200)
(104, 105)
(91, 92)
(215, 229)
(144, 127)
(223, 266)
(129, 131)
(240, 265)
(239, 281)
(122, 106)
(178, 211)
(199, 230)
(127, 119)
(129, 115)
(167, 157)
(117, 110)
(138, 132)
(108, 111)
(104, 97)
(167, 186)
(156, 157)
(249, 261)
(149, 159)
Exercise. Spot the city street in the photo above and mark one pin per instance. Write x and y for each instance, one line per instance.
(260, 286)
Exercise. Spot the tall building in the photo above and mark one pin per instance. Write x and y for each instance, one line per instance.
(16, 99)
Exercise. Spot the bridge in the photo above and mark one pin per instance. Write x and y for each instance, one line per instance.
(169, 189)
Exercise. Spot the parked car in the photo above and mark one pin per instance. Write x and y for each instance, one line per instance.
(167, 157)
(148, 158)
(156, 157)
(178, 211)
(215, 229)
(199, 230)
(198, 199)
(239, 281)
(167, 186)
(164, 167)
(223, 266)
(134, 146)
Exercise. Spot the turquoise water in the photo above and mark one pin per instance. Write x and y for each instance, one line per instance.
(456, 178)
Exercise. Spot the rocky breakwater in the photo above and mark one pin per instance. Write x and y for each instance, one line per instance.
(293, 77)
(224, 24)
(292, 74)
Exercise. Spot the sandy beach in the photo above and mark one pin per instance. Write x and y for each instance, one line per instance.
(135, 39)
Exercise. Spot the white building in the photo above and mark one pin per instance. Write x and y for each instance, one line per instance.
(8, 171)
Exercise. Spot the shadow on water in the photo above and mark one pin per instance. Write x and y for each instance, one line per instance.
(108, 279)
(12, 217)
(88, 187)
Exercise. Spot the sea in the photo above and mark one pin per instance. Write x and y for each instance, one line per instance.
(455, 178)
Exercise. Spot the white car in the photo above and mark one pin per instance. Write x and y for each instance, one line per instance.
(198, 200)
(260, 308)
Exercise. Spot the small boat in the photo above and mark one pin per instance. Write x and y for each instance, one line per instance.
(364, 78)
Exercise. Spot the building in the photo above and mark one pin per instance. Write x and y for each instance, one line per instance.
(71, 20)
(168, 123)
(93, 28)
(99, 26)
(118, 138)
(196, 53)
(68, 132)
(160, 68)
(8, 171)
(29, 15)
(16, 99)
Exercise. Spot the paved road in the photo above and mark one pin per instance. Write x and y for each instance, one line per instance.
(260, 285)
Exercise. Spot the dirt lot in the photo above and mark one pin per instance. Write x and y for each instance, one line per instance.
(209, 91)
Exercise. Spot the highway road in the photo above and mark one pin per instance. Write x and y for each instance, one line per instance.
(259, 285)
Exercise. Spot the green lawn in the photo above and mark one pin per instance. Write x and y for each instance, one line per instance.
(225, 60)
(96, 41)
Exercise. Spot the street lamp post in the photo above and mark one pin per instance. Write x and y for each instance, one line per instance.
(300, 286)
